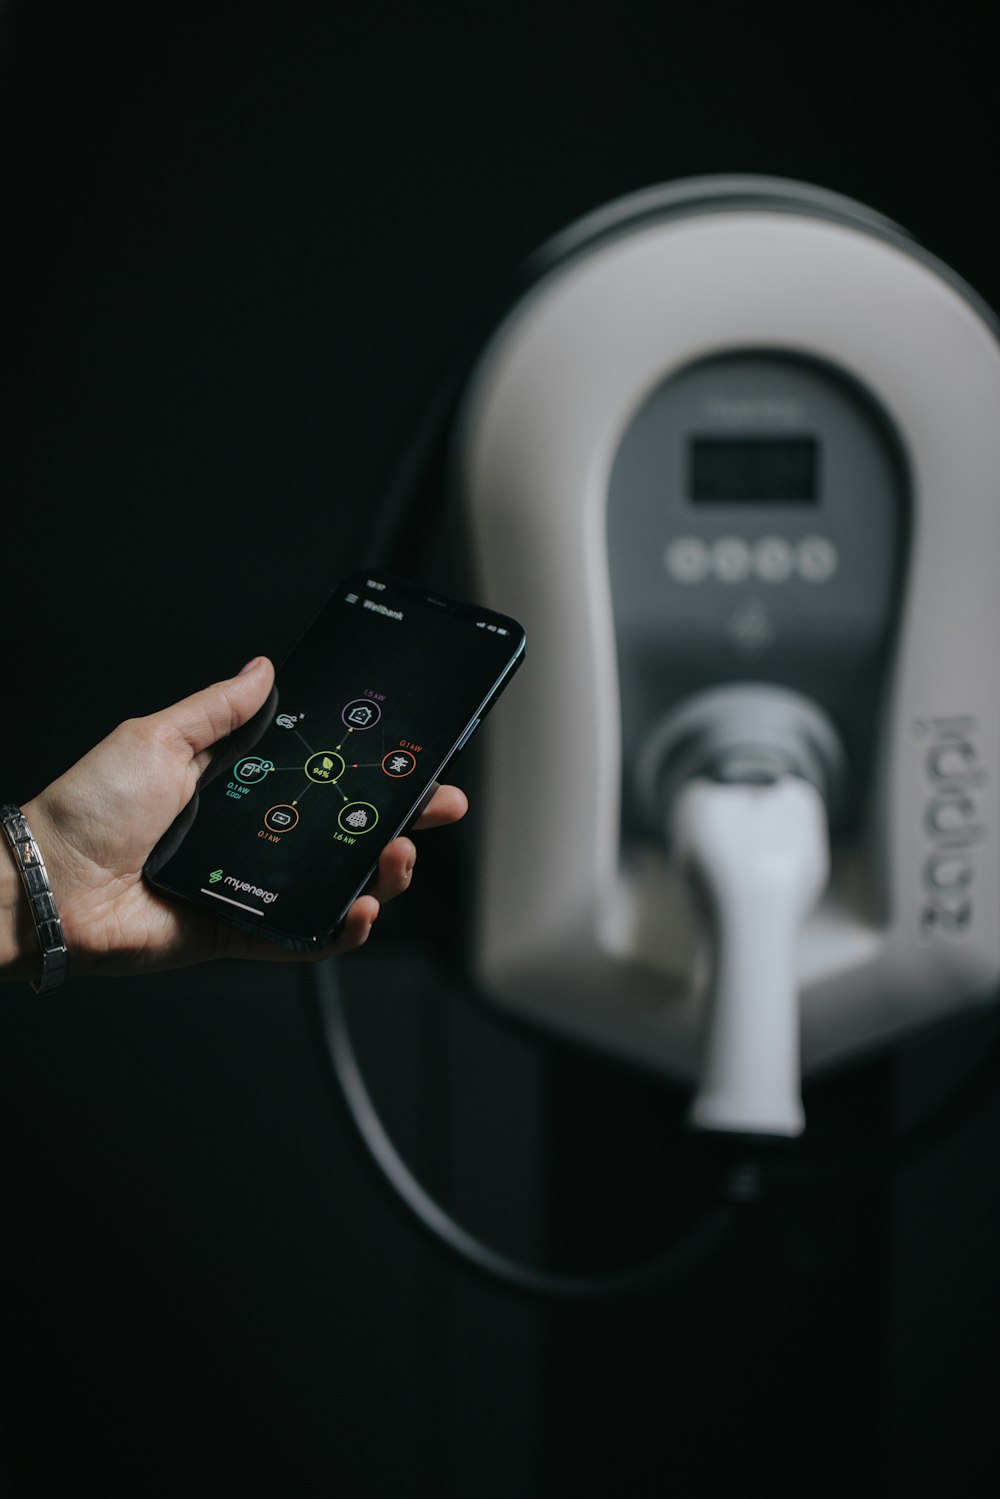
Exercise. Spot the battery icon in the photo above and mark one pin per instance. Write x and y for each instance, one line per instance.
(501, 630)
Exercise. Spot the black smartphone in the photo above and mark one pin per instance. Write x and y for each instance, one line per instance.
(289, 818)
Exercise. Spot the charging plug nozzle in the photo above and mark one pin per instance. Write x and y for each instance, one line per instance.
(745, 780)
(758, 859)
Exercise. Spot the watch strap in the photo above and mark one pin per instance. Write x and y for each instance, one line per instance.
(44, 913)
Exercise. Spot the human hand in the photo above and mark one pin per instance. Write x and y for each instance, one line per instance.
(96, 824)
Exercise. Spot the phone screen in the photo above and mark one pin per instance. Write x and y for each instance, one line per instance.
(289, 819)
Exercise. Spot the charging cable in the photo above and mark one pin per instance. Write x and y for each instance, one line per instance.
(712, 1229)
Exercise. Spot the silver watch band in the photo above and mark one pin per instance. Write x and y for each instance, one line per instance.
(35, 879)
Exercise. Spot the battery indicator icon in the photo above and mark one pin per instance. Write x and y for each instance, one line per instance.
(501, 630)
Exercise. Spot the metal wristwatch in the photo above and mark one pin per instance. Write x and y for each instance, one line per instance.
(35, 879)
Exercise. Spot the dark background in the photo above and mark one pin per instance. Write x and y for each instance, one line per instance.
(239, 245)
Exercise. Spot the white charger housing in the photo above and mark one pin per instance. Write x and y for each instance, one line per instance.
(852, 559)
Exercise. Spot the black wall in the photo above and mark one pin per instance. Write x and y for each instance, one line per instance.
(239, 243)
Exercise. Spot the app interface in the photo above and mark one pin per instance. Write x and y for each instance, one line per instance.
(290, 820)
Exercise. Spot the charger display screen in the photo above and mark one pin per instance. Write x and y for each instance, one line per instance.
(289, 819)
(753, 470)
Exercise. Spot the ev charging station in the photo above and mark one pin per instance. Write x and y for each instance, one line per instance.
(734, 461)
(731, 456)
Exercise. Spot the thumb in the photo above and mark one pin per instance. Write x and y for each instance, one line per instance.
(205, 717)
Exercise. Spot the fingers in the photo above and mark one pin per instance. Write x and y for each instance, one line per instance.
(448, 804)
(395, 870)
(356, 926)
(205, 717)
(395, 865)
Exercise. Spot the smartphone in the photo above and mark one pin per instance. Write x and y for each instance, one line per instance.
(289, 818)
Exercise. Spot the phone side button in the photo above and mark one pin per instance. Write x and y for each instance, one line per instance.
(467, 735)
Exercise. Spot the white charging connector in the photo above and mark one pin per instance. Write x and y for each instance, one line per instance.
(745, 781)
(758, 860)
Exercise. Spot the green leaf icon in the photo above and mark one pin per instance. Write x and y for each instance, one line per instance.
(327, 763)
